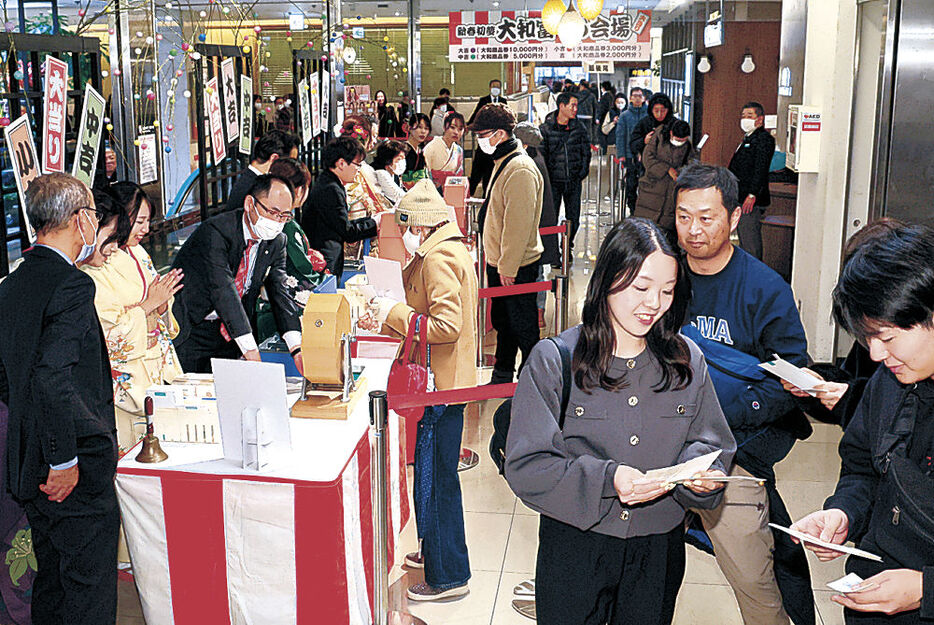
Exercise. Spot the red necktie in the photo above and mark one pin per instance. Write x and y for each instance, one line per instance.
(240, 280)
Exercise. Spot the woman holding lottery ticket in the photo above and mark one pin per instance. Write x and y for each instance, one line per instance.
(884, 499)
(611, 536)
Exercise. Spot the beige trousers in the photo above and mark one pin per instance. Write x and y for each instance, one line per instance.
(743, 542)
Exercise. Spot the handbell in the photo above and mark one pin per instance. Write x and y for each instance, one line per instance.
(152, 450)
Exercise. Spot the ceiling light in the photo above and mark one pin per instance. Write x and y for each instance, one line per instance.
(589, 9)
(703, 66)
(551, 15)
(571, 29)
(748, 66)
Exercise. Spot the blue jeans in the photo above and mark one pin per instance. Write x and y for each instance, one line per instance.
(439, 511)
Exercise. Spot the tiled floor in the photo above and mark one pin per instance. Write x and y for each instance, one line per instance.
(502, 532)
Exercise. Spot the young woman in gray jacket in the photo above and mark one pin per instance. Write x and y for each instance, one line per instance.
(611, 544)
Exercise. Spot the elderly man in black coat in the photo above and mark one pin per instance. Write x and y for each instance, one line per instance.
(55, 377)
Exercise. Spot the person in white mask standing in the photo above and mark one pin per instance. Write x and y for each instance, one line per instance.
(226, 261)
(750, 164)
(440, 284)
(513, 247)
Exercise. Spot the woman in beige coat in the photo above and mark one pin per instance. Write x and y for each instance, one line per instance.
(441, 284)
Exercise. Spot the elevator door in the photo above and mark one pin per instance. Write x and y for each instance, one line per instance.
(907, 165)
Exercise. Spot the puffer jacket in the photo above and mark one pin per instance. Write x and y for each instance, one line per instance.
(656, 199)
(566, 149)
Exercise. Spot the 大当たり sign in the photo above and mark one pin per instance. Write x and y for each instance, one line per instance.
(496, 36)
(53, 123)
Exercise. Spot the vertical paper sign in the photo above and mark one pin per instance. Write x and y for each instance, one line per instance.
(53, 125)
(325, 99)
(315, 98)
(148, 169)
(230, 99)
(305, 109)
(89, 136)
(216, 118)
(18, 136)
(246, 115)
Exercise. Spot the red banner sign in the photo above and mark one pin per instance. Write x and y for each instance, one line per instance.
(53, 124)
(216, 117)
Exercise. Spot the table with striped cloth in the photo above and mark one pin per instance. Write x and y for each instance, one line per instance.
(212, 543)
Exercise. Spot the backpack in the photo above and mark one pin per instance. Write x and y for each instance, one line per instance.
(503, 415)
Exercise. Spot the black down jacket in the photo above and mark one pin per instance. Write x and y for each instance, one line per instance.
(566, 149)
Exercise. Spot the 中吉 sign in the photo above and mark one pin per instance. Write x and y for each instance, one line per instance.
(496, 36)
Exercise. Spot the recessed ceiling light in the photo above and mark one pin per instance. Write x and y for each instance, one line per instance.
(496, 3)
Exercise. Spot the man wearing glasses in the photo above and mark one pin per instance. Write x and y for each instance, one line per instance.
(61, 454)
(325, 220)
(226, 261)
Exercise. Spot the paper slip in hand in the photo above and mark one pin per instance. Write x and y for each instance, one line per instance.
(790, 373)
(725, 479)
(850, 583)
(807, 538)
(683, 471)
(385, 276)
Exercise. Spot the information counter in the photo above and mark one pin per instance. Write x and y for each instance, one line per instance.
(213, 543)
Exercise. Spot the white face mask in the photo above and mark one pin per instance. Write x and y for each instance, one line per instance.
(677, 143)
(495, 91)
(748, 125)
(265, 228)
(399, 168)
(621, 105)
(87, 249)
(485, 146)
(411, 241)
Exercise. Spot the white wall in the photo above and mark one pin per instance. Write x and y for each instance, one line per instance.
(819, 231)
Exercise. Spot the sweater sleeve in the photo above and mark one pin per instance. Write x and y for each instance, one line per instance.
(709, 432)
(539, 469)
(780, 332)
(519, 220)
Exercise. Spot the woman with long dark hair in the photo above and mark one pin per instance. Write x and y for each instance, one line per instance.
(415, 166)
(611, 546)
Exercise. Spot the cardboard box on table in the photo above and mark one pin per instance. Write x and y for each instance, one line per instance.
(456, 192)
(214, 543)
(390, 238)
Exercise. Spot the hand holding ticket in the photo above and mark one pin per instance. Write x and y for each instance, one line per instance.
(807, 538)
(794, 375)
(850, 583)
(684, 471)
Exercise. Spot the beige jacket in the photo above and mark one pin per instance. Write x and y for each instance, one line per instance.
(440, 282)
(510, 233)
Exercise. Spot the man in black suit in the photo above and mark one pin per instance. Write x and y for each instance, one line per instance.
(226, 261)
(481, 167)
(272, 145)
(55, 378)
(750, 164)
(325, 222)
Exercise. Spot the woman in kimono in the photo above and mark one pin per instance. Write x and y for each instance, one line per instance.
(134, 304)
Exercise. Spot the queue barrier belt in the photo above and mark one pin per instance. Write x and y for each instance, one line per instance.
(453, 396)
(516, 289)
(553, 230)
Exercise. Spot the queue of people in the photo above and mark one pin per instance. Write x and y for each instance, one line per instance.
(661, 370)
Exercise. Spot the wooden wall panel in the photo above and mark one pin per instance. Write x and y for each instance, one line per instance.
(725, 88)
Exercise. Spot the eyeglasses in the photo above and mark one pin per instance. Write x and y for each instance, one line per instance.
(94, 211)
(357, 164)
(280, 216)
(483, 134)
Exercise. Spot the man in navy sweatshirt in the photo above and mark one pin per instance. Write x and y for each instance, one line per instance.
(741, 313)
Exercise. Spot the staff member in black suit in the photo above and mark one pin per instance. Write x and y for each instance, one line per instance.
(750, 164)
(226, 262)
(273, 145)
(55, 377)
(325, 222)
(481, 167)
